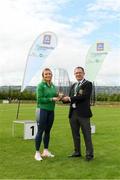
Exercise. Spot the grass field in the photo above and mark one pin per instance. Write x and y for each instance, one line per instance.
(17, 155)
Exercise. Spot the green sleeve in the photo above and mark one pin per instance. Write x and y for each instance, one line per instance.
(40, 95)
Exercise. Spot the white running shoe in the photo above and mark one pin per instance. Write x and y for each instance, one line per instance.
(47, 153)
(38, 157)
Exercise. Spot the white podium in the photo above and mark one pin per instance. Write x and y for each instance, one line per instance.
(30, 128)
(93, 129)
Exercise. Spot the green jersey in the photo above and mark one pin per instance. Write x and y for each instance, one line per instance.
(44, 94)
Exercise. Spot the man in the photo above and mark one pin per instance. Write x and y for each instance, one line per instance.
(80, 113)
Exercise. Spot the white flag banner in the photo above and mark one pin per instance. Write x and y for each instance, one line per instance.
(40, 50)
(94, 59)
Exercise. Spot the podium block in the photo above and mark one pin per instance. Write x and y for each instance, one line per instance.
(30, 128)
(93, 129)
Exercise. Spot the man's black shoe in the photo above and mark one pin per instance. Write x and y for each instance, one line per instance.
(89, 158)
(75, 154)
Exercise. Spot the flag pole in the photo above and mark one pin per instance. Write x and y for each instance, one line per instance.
(17, 115)
(18, 107)
(22, 86)
(93, 94)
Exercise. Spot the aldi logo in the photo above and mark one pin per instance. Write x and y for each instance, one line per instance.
(100, 46)
(47, 39)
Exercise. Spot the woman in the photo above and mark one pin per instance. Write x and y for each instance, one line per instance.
(46, 98)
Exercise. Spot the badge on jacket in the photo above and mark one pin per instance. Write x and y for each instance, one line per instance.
(80, 92)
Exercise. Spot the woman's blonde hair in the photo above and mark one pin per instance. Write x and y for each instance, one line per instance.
(46, 69)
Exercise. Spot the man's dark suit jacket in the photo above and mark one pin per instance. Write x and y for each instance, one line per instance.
(81, 99)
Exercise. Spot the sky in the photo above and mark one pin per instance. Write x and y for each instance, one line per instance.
(77, 24)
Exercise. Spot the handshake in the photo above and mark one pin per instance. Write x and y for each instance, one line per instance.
(61, 97)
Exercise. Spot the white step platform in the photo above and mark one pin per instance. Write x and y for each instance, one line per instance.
(30, 128)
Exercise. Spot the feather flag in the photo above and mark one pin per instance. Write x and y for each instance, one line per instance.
(40, 50)
(94, 59)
